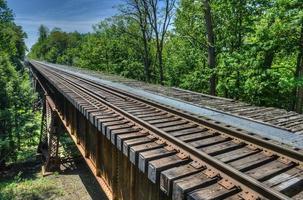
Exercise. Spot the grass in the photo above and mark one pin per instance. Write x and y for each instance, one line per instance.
(33, 188)
(23, 181)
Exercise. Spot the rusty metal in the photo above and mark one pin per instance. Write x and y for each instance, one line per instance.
(240, 135)
(227, 184)
(49, 136)
(196, 155)
(153, 138)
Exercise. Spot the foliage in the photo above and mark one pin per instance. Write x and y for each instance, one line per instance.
(18, 123)
(56, 46)
(257, 45)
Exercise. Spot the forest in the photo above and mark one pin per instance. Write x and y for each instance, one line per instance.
(19, 122)
(249, 50)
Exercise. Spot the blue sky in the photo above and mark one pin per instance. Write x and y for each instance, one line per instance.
(69, 15)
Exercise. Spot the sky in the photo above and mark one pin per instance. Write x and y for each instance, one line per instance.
(69, 15)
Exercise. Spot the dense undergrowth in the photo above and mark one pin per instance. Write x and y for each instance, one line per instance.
(19, 119)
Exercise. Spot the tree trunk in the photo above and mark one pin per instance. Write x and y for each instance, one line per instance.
(142, 18)
(160, 60)
(146, 57)
(238, 85)
(159, 56)
(299, 75)
(159, 51)
(268, 59)
(146, 65)
(211, 45)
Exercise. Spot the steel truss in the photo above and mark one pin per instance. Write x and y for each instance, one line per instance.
(49, 137)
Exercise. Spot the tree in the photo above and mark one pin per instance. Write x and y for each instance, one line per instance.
(16, 96)
(160, 20)
(56, 46)
(6, 14)
(210, 45)
(43, 33)
(299, 75)
(11, 35)
(249, 50)
(135, 11)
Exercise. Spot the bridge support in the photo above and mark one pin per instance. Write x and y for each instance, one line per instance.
(51, 128)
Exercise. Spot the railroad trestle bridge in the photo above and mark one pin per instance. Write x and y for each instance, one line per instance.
(141, 149)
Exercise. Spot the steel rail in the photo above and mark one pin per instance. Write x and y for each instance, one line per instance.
(280, 150)
(211, 104)
(193, 152)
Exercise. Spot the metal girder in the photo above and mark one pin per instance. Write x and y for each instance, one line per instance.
(49, 136)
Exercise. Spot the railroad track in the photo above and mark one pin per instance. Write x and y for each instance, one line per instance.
(280, 118)
(190, 157)
(287, 120)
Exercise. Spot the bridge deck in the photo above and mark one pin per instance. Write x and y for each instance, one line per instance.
(275, 124)
(147, 146)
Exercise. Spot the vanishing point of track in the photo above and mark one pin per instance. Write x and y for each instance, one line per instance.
(189, 155)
